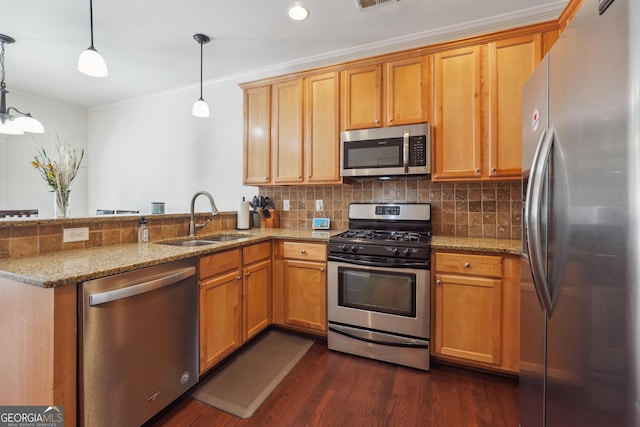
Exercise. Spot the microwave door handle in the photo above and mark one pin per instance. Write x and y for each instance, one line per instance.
(405, 152)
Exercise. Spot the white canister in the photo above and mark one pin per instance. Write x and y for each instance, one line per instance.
(243, 215)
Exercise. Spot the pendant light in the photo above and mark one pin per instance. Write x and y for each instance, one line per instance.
(10, 124)
(200, 108)
(91, 62)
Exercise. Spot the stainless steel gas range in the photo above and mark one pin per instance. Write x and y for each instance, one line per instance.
(378, 295)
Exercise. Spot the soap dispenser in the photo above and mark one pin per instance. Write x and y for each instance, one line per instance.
(143, 231)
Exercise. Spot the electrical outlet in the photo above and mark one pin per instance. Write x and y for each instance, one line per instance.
(319, 205)
(285, 205)
(75, 234)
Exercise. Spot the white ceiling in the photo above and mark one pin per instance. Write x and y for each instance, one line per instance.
(149, 48)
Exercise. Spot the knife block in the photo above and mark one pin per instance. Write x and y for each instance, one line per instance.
(273, 221)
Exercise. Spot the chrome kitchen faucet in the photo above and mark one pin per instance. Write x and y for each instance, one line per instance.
(214, 210)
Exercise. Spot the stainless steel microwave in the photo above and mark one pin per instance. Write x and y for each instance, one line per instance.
(386, 152)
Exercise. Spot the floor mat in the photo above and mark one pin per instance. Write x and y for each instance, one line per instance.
(241, 386)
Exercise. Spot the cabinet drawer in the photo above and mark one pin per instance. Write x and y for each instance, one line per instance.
(213, 264)
(477, 265)
(253, 253)
(305, 251)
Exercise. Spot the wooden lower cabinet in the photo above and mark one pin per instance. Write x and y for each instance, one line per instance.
(300, 286)
(235, 300)
(256, 289)
(476, 310)
(220, 307)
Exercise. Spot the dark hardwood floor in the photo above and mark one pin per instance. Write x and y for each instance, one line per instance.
(327, 388)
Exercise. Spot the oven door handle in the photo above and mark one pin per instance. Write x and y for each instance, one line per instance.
(421, 265)
(376, 338)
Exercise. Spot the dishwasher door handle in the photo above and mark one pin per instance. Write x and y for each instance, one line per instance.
(141, 288)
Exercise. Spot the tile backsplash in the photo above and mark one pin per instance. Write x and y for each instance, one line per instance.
(487, 209)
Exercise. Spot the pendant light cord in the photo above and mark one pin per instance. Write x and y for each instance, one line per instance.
(201, 70)
(91, 20)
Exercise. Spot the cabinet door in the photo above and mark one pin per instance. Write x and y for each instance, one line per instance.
(511, 62)
(257, 298)
(287, 132)
(408, 90)
(362, 97)
(305, 294)
(257, 135)
(468, 317)
(322, 128)
(457, 114)
(220, 317)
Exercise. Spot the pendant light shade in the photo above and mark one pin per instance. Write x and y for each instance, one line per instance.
(200, 108)
(90, 61)
(16, 123)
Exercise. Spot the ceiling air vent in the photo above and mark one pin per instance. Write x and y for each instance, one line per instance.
(364, 4)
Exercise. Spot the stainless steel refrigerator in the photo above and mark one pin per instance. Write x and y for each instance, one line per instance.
(580, 331)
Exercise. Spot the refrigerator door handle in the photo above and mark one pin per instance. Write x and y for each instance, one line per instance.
(533, 217)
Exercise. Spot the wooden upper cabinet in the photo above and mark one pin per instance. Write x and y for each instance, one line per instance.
(286, 131)
(394, 93)
(257, 135)
(322, 128)
(457, 114)
(362, 97)
(408, 90)
(511, 62)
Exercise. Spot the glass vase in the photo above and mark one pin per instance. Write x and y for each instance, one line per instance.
(61, 204)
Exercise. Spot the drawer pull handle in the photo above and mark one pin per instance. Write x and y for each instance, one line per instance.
(238, 277)
(248, 273)
(438, 282)
(303, 251)
(467, 265)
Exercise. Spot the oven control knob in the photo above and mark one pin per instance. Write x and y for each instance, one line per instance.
(406, 252)
(345, 248)
(354, 248)
(394, 251)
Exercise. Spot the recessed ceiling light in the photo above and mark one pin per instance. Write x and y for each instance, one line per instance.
(298, 12)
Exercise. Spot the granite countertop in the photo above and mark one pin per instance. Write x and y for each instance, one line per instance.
(72, 267)
(476, 244)
(75, 266)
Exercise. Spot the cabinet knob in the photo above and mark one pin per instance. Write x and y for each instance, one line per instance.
(266, 178)
(298, 177)
(477, 170)
(493, 169)
(438, 282)
(248, 273)
(467, 265)
(308, 176)
(377, 122)
(238, 277)
(303, 251)
(389, 120)
(321, 269)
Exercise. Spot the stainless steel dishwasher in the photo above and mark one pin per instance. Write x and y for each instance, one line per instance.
(138, 343)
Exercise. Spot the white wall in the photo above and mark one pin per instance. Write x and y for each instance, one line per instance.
(21, 186)
(153, 150)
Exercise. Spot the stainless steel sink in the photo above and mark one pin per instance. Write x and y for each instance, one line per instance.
(208, 240)
(192, 243)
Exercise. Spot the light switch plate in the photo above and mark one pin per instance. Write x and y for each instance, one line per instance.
(285, 205)
(319, 205)
(79, 234)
